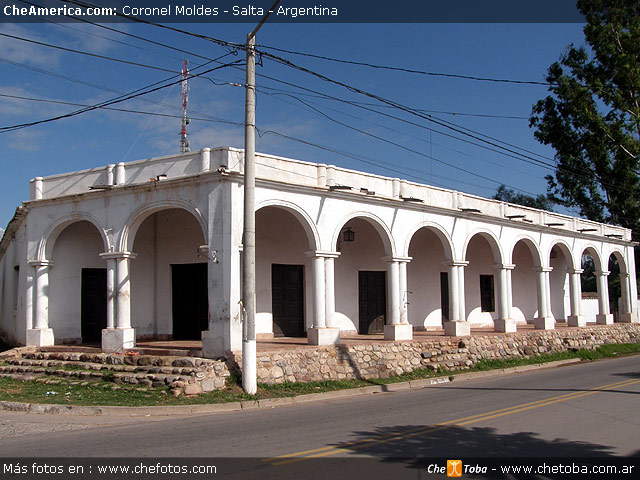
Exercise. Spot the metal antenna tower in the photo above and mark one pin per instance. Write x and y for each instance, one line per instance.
(184, 143)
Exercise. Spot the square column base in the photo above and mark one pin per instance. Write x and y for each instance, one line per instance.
(457, 329)
(323, 336)
(576, 321)
(627, 318)
(505, 325)
(40, 337)
(212, 345)
(544, 323)
(604, 319)
(401, 331)
(118, 339)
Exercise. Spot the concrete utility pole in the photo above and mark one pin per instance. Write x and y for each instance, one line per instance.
(249, 380)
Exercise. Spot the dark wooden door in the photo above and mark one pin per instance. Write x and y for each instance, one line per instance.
(190, 301)
(287, 300)
(93, 304)
(444, 295)
(372, 301)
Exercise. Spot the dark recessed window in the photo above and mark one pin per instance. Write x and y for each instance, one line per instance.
(487, 300)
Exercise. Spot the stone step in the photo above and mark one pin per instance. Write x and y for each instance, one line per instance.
(186, 371)
(120, 359)
(145, 378)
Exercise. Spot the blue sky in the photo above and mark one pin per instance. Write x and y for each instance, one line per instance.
(500, 51)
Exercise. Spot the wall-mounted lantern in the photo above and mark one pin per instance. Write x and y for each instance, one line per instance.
(348, 235)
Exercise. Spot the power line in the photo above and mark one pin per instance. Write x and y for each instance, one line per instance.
(124, 110)
(122, 98)
(405, 70)
(102, 87)
(81, 52)
(153, 42)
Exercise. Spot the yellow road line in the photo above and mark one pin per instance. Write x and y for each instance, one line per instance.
(332, 450)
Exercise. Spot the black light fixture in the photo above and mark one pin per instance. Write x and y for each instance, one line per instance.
(348, 235)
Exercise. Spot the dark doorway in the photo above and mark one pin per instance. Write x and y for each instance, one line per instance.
(372, 301)
(190, 301)
(93, 304)
(287, 300)
(444, 296)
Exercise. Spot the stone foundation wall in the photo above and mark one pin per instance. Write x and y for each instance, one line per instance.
(383, 359)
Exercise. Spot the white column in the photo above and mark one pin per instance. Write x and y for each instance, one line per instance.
(110, 180)
(547, 289)
(462, 299)
(123, 293)
(504, 323)
(329, 289)
(120, 335)
(544, 320)
(395, 329)
(321, 333)
(604, 316)
(404, 294)
(35, 187)
(626, 315)
(40, 335)
(111, 284)
(510, 292)
(457, 326)
(119, 177)
(205, 159)
(393, 293)
(575, 319)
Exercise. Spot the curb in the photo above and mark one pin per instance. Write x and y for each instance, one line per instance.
(38, 408)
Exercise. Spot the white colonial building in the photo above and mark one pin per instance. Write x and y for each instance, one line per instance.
(152, 250)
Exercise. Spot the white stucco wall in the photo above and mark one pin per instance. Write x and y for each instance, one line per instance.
(559, 284)
(11, 293)
(280, 239)
(77, 247)
(523, 280)
(423, 279)
(481, 262)
(210, 212)
(365, 253)
(165, 238)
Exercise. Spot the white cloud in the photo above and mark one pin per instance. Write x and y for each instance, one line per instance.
(25, 52)
(27, 141)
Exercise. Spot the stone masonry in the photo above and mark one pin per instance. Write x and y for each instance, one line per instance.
(380, 360)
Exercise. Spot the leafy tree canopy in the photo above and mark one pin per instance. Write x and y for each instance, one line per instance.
(592, 116)
(509, 195)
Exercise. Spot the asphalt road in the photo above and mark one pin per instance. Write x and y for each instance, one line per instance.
(586, 410)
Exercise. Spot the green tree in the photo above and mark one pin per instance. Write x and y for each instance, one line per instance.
(509, 195)
(592, 116)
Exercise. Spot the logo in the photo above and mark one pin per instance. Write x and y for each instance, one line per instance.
(454, 468)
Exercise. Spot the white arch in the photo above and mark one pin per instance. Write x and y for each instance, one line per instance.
(533, 247)
(376, 222)
(439, 231)
(492, 240)
(128, 235)
(620, 257)
(48, 240)
(595, 253)
(303, 217)
(566, 251)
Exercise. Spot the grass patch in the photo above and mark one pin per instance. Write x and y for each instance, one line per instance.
(105, 392)
(495, 363)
